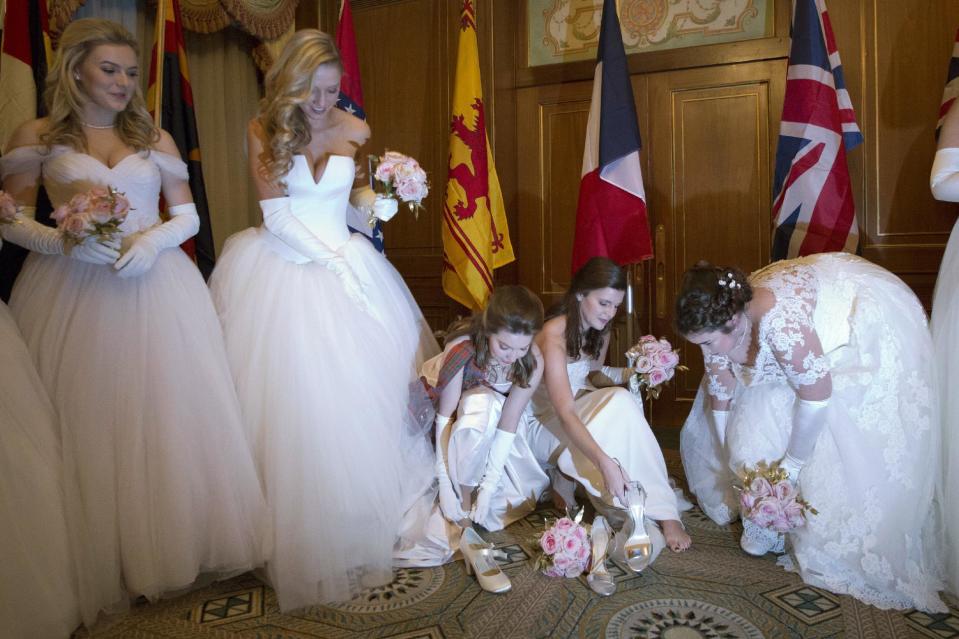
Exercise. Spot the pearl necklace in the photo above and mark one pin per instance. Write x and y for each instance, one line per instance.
(98, 126)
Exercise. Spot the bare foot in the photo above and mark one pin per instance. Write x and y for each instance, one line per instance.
(676, 537)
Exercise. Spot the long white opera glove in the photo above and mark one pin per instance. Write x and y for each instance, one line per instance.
(495, 463)
(616, 374)
(183, 224)
(944, 177)
(36, 237)
(720, 418)
(278, 218)
(449, 503)
(808, 422)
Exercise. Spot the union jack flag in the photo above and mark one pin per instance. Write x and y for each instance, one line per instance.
(951, 91)
(813, 208)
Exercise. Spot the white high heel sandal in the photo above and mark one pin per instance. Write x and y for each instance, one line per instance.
(479, 558)
(599, 579)
(638, 548)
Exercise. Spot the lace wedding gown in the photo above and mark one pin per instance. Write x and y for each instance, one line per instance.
(38, 592)
(160, 483)
(873, 476)
(615, 419)
(323, 378)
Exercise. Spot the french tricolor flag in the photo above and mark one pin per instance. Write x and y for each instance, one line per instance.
(611, 214)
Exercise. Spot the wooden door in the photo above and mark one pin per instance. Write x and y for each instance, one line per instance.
(712, 140)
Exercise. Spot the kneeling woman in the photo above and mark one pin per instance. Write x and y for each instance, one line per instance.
(599, 437)
(824, 363)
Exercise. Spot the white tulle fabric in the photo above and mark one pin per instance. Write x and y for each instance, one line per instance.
(945, 337)
(38, 592)
(874, 474)
(160, 483)
(614, 418)
(323, 381)
(468, 446)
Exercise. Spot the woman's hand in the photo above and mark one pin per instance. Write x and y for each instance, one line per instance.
(615, 478)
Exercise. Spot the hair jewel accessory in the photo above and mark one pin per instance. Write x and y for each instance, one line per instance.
(731, 283)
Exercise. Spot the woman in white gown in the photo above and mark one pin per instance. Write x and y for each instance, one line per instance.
(38, 590)
(598, 438)
(324, 340)
(160, 483)
(944, 181)
(823, 363)
(487, 375)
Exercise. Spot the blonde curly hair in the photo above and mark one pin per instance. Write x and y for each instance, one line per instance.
(65, 98)
(288, 85)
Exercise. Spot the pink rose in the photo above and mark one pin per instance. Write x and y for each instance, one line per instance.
(101, 210)
(657, 376)
(760, 487)
(580, 533)
(561, 561)
(571, 545)
(549, 543)
(664, 343)
(75, 225)
(766, 511)
(584, 552)
(780, 523)
(99, 192)
(643, 364)
(552, 571)
(60, 213)
(121, 206)
(746, 502)
(563, 525)
(646, 338)
(784, 491)
(80, 203)
(575, 568)
(794, 513)
(411, 191)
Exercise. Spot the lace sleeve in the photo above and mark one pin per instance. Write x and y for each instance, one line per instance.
(720, 381)
(793, 340)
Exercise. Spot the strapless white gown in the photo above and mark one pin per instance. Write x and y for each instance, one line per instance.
(323, 381)
(159, 479)
(38, 590)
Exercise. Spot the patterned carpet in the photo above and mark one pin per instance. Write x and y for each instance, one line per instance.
(713, 591)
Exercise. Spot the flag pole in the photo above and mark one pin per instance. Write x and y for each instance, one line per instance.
(630, 305)
(160, 43)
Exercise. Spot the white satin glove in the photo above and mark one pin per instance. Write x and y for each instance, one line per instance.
(495, 464)
(719, 425)
(449, 503)
(385, 208)
(616, 374)
(278, 218)
(39, 238)
(183, 224)
(944, 177)
(808, 422)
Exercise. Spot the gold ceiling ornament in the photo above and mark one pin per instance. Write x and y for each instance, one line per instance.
(266, 19)
(204, 16)
(267, 51)
(60, 14)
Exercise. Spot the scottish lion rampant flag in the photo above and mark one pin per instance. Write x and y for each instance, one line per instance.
(813, 208)
(951, 92)
(611, 213)
(475, 235)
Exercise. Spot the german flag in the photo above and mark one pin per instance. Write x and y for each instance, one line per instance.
(23, 69)
(171, 103)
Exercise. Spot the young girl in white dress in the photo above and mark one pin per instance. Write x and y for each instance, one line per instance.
(38, 589)
(324, 340)
(160, 483)
(823, 363)
(944, 181)
(599, 438)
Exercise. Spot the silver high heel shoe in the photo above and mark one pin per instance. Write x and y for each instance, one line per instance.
(479, 558)
(637, 548)
(599, 579)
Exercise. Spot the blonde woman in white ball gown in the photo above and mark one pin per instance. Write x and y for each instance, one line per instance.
(324, 340)
(945, 335)
(160, 483)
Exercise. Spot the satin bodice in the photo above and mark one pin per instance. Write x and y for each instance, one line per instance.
(66, 172)
(321, 205)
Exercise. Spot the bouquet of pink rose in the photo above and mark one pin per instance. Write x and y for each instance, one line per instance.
(566, 548)
(8, 208)
(402, 177)
(770, 500)
(654, 362)
(96, 213)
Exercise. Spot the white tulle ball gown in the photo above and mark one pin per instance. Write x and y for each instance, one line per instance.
(160, 482)
(874, 475)
(323, 376)
(38, 592)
